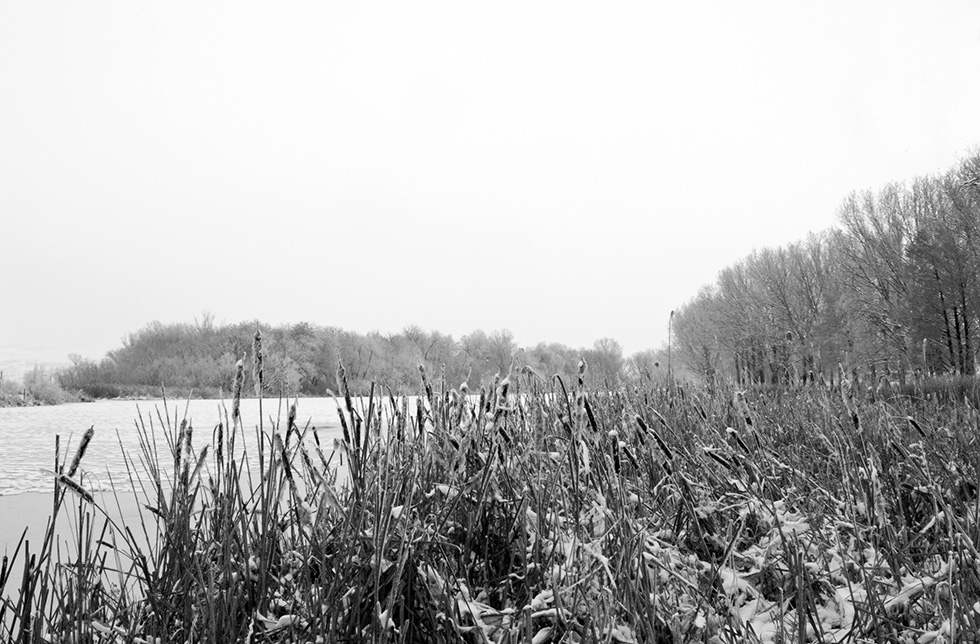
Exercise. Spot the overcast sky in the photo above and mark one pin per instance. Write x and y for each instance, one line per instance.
(567, 170)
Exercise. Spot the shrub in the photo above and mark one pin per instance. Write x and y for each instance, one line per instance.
(43, 388)
(11, 392)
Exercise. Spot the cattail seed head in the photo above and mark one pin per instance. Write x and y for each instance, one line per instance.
(236, 388)
(76, 488)
(291, 422)
(80, 452)
(662, 445)
(219, 441)
(257, 362)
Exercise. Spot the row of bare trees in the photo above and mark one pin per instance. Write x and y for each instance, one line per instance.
(302, 358)
(892, 292)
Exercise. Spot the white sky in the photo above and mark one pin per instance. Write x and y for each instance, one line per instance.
(566, 170)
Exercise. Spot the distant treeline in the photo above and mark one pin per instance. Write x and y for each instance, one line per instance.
(39, 386)
(302, 359)
(892, 293)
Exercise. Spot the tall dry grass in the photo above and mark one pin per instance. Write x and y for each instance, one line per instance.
(532, 510)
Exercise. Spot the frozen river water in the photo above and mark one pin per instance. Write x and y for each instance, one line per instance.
(27, 435)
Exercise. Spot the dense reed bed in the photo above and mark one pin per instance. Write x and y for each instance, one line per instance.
(531, 511)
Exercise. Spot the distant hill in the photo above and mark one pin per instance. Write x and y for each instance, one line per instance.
(14, 368)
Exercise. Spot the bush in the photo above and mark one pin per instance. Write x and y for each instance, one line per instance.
(43, 388)
(11, 392)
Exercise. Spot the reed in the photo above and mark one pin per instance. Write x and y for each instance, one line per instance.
(651, 513)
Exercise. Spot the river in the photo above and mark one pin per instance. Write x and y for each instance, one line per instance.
(27, 449)
(27, 435)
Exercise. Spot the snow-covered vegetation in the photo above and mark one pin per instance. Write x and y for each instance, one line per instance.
(893, 291)
(532, 510)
